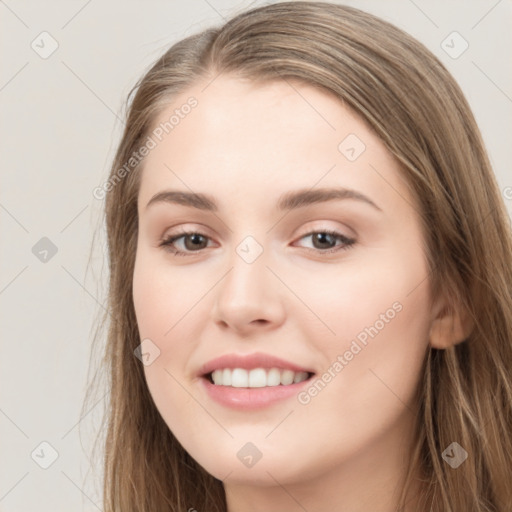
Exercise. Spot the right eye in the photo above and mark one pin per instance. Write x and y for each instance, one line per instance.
(196, 239)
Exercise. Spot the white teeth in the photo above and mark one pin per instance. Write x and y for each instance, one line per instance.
(239, 378)
(274, 377)
(217, 376)
(287, 377)
(256, 378)
(226, 377)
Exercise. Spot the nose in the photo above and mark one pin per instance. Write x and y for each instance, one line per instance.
(249, 298)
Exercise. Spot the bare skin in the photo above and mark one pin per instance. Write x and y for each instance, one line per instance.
(344, 447)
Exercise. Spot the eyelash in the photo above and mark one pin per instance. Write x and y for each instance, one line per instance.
(167, 242)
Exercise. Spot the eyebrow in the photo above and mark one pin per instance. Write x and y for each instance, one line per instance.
(288, 201)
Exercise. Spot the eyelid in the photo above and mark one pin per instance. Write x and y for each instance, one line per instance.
(344, 231)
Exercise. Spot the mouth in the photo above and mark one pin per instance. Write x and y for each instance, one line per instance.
(256, 377)
(252, 381)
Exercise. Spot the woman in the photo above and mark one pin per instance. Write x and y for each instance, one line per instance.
(310, 290)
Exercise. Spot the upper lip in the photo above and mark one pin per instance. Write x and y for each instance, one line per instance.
(249, 362)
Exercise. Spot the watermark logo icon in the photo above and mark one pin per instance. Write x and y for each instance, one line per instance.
(454, 45)
(44, 250)
(249, 454)
(44, 45)
(351, 147)
(44, 455)
(147, 352)
(249, 249)
(454, 455)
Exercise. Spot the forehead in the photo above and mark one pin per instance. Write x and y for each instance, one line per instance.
(242, 137)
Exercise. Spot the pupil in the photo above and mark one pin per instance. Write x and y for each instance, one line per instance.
(195, 240)
(320, 237)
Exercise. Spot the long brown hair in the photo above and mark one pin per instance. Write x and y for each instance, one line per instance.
(415, 107)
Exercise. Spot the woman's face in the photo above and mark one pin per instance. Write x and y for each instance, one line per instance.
(262, 276)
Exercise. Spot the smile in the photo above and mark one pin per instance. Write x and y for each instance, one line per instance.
(256, 378)
(252, 381)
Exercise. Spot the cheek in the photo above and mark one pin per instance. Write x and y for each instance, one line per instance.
(378, 318)
(381, 318)
(378, 297)
(161, 297)
(163, 302)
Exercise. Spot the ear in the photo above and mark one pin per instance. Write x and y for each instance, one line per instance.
(450, 325)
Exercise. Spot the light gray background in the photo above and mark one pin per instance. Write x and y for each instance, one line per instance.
(60, 125)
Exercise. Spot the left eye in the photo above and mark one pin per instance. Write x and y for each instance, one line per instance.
(329, 238)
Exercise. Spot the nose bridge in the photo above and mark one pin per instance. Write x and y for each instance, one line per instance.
(247, 278)
(247, 293)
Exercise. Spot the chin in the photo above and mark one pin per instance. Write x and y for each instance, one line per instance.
(259, 463)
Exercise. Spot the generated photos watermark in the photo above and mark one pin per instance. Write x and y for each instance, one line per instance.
(356, 346)
(150, 143)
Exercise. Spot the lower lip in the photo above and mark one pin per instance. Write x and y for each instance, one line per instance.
(251, 398)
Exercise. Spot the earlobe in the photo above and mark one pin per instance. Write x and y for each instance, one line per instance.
(449, 327)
